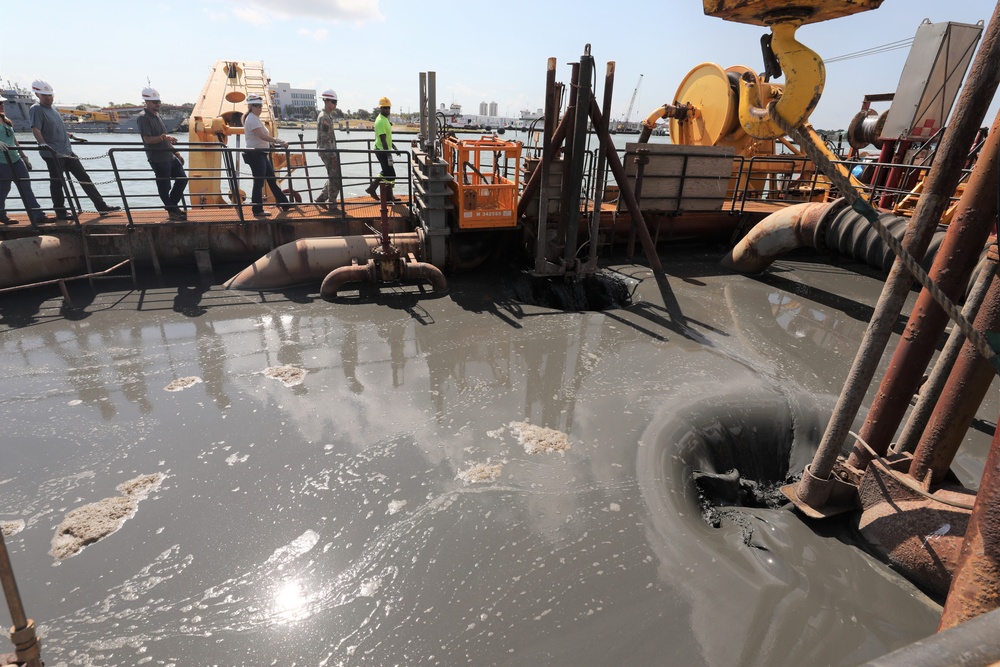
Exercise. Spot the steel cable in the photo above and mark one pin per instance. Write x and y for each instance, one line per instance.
(839, 178)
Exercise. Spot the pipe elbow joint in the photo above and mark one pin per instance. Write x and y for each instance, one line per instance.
(425, 271)
(355, 273)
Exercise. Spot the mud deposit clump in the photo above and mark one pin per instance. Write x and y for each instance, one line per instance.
(480, 472)
(288, 375)
(8, 528)
(183, 383)
(91, 523)
(538, 439)
(721, 494)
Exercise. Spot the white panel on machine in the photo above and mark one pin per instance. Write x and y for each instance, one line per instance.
(931, 78)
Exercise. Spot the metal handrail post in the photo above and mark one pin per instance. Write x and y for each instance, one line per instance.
(121, 188)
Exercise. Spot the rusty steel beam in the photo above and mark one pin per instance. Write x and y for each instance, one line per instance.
(602, 160)
(569, 152)
(573, 176)
(555, 143)
(960, 251)
(540, 176)
(975, 587)
(961, 397)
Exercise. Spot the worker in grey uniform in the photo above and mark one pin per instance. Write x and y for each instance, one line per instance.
(326, 142)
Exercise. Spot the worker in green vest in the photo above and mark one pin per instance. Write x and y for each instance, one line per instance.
(383, 151)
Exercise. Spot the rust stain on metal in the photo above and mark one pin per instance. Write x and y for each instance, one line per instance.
(918, 535)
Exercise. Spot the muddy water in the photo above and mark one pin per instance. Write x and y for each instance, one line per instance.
(417, 480)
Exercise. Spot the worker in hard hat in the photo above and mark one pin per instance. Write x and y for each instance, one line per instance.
(326, 142)
(53, 141)
(383, 151)
(167, 163)
(14, 166)
(259, 142)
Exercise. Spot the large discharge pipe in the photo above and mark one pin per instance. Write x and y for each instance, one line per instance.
(311, 260)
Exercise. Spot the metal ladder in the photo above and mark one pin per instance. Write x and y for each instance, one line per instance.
(92, 252)
(256, 82)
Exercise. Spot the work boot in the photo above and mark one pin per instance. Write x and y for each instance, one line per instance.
(389, 198)
(372, 189)
(322, 198)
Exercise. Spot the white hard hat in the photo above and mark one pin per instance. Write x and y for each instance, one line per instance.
(2, 98)
(255, 100)
(150, 95)
(40, 87)
(330, 94)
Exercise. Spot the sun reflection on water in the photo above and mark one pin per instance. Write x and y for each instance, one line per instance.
(291, 603)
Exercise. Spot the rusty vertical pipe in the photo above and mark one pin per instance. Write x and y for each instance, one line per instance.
(383, 192)
(641, 160)
(930, 391)
(22, 634)
(974, 100)
(884, 157)
(574, 172)
(888, 198)
(975, 586)
(953, 264)
(540, 177)
(602, 161)
(569, 153)
(555, 143)
(630, 203)
(961, 397)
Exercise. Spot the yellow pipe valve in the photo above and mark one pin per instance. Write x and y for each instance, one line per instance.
(805, 76)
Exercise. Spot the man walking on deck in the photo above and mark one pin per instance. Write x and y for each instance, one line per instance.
(383, 151)
(53, 141)
(326, 142)
(167, 164)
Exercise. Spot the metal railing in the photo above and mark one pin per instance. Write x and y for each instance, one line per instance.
(135, 183)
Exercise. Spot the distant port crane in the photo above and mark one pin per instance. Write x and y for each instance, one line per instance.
(631, 103)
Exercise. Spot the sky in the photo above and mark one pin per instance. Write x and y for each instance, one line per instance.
(99, 52)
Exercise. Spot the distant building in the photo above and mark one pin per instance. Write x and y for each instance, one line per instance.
(482, 108)
(293, 103)
(493, 109)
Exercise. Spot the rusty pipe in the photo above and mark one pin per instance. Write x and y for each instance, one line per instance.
(960, 250)
(963, 393)
(602, 160)
(975, 586)
(974, 100)
(22, 634)
(534, 180)
(309, 260)
(930, 390)
(355, 273)
(783, 231)
(32, 259)
(424, 271)
(570, 162)
(539, 178)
